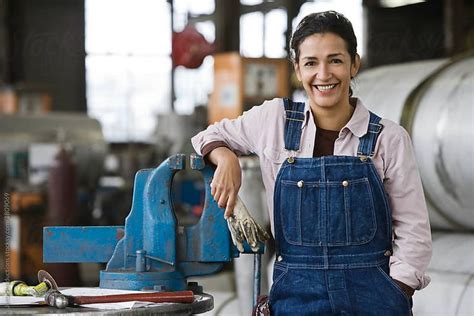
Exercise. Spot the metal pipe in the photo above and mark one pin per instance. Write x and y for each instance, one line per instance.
(257, 272)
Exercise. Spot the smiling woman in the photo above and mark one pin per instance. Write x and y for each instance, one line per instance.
(344, 194)
(325, 68)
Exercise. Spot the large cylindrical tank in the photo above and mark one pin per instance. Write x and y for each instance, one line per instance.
(433, 100)
(451, 290)
(82, 133)
(62, 191)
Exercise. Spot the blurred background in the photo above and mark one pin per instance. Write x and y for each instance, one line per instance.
(91, 91)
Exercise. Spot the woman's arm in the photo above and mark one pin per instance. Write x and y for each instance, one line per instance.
(223, 141)
(226, 182)
(411, 227)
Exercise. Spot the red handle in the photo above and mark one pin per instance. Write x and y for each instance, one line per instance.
(155, 297)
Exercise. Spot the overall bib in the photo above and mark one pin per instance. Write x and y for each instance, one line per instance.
(333, 232)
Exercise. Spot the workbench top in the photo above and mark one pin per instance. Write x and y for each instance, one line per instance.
(203, 303)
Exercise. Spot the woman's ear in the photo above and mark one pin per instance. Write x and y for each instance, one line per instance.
(355, 66)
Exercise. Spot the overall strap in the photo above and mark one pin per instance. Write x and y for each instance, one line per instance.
(368, 141)
(294, 121)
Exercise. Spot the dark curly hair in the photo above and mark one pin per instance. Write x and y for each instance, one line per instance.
(323, 22)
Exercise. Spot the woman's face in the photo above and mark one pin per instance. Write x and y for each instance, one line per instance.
(325, 69)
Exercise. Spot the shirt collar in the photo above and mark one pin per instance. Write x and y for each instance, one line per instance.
(357, 124)
(359, 120)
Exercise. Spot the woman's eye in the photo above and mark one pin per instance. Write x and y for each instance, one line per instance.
(309, 63)
(336, 61)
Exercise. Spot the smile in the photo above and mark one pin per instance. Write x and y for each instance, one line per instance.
(325, 87)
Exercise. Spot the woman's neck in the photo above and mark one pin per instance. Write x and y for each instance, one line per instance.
(333, 118)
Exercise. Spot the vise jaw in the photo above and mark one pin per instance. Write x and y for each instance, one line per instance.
(152, 251)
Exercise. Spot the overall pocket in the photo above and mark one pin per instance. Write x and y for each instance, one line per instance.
(351, 212)
(396, 290)
(299, 203)
(279, 272)
(333, 213)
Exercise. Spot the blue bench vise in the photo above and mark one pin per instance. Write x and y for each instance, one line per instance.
(151, 251)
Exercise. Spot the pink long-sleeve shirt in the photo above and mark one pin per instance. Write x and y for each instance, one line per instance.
(260, 131)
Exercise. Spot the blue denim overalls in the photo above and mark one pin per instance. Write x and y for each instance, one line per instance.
(333, 232)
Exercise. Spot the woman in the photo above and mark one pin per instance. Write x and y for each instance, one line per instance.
(345, 197)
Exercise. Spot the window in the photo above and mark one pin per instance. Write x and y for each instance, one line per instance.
(351, 9)
(275, 28)
(128, 67)
(128, 64)
(263, 34)
(251, 34)
(193, 86)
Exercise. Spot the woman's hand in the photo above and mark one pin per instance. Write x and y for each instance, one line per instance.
(227, 178)
(405, 288)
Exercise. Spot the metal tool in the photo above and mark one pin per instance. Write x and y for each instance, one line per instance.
(20, 288)
(45, 277)
(151, 251)
(57, 299)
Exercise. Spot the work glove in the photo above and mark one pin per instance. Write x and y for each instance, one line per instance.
(242, 227)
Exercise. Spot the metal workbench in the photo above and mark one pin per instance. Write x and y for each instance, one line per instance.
(203, 303)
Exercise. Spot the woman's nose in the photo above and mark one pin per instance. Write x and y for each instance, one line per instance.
(323, 72)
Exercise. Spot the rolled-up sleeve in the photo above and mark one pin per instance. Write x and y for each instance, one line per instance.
(241, 134)
(412, 246)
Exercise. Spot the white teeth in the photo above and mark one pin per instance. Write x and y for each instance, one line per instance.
(325, 87)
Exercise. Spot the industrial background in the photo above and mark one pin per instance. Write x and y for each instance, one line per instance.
(91, 91)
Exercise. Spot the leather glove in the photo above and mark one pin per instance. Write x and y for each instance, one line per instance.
(242, 227)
